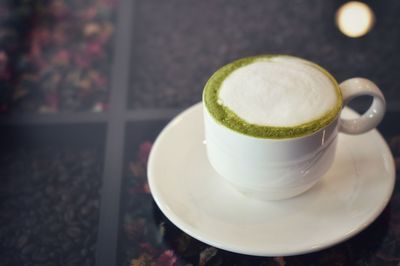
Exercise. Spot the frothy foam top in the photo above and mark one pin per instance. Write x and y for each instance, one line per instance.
(279, 92)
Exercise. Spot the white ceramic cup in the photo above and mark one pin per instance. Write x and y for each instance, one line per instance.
(272, 169)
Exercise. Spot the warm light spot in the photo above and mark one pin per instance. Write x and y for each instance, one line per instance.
(355, 19)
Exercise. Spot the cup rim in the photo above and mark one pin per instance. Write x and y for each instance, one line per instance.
(216, 110)
(310, 135)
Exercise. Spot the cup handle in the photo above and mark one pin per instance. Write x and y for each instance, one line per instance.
(355, 87)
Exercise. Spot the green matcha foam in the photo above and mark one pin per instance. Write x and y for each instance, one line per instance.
(273, 96)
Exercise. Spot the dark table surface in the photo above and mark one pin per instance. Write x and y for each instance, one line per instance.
(86, 86)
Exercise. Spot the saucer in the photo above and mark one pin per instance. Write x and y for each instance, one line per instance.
(198, 201)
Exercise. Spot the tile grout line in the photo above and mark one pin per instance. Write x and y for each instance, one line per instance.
(107, 238)
(61, 118)
(130, 115)
(152, 114)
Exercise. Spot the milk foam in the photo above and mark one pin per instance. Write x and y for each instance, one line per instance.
(278, 91)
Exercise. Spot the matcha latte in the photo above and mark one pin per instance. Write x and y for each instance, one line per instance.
(273, 96)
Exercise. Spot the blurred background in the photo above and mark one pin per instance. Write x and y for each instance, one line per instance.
(86, 86)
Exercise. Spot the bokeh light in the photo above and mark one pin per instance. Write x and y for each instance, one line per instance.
(354, 19)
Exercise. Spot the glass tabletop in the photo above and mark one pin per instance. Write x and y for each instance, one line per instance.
(86, 87)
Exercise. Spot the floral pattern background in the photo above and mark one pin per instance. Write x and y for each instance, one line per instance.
(147, 237)
(55, 55)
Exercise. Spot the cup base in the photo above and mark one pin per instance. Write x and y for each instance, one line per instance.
(271, 194)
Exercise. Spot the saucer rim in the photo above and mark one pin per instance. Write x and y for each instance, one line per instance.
(177, 221)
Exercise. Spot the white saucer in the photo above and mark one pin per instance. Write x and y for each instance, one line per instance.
(188, 191)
